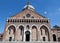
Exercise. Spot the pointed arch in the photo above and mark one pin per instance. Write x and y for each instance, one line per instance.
(34, 33)
(45, 31)
(9, 26)
(12, 30)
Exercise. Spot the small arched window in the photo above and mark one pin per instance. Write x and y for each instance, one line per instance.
(21, 28)
(27, 27)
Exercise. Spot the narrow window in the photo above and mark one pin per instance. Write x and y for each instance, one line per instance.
(22, 29)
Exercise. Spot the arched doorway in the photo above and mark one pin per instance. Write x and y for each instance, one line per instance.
(27, 36)
(54, 37)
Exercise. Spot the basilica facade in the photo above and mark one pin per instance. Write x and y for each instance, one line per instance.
(28, 25)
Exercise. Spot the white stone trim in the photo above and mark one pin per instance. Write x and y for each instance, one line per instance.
(44, 25)
(20, 25)
(9, 26)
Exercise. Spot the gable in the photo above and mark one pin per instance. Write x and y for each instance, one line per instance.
(27, 14)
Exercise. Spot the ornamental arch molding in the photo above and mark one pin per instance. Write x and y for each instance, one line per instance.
(19, 26)
(35, 26)
(46, 30)
(44, 25)
(10, 25)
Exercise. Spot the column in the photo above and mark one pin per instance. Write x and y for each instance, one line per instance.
(24, 37)
(39, 34)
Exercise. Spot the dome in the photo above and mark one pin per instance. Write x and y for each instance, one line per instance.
(29, 6)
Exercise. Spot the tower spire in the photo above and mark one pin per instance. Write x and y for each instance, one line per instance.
(28, 2)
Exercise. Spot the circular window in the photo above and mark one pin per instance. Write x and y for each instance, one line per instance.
(28, 15)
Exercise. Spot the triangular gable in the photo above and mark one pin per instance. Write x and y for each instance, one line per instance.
(24, 13)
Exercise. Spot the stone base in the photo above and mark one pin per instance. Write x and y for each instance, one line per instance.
(27, 42)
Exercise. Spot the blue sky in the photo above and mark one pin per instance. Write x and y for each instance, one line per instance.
(48, 8)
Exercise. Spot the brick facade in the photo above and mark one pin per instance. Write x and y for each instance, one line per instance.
(28, 25)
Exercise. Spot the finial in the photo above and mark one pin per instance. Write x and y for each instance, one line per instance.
(28, 2)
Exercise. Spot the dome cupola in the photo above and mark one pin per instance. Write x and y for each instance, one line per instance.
(28, 6)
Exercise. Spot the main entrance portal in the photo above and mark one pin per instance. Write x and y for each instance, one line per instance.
(27, 36)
